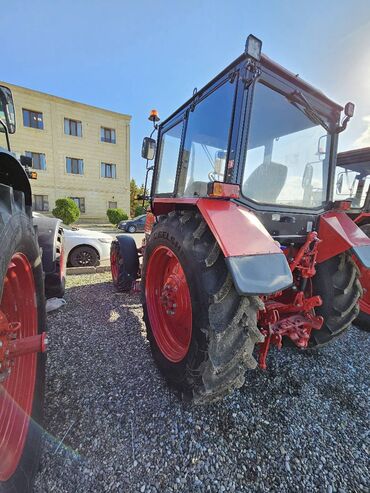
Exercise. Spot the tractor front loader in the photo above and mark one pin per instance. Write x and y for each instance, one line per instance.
(352, 185)
(22, 320)
(245, 247)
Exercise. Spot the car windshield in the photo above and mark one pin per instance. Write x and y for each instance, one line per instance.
(351, 184)
(287, 160)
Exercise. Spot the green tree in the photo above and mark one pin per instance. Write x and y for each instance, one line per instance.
(116, 215)
(136, 204)
(133, 195)
(66, 210)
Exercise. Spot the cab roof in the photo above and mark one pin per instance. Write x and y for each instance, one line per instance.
(357, 160)
(269, 65)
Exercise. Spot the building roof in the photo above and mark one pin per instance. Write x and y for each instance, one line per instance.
(60, 99)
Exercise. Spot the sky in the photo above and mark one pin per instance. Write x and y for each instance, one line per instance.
(132, 56)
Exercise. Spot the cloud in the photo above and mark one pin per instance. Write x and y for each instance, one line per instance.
(364, 139)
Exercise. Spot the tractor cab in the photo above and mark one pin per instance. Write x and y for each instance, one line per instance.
(257, 134)
(353, 180)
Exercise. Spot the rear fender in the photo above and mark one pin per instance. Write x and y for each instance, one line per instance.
(338, 233)
(255, 261)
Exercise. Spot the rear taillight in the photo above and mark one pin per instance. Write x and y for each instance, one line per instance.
(342, 205)
(223, 190)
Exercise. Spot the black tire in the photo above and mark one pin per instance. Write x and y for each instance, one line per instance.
(55, 282)
(17, 235)
(363, 319)
(337, 282)
(84, 256)
(131, 229)
(127, 263)
(224, 330)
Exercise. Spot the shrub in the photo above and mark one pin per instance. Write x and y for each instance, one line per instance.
(67, 210)
(116, 215)
(139, 210)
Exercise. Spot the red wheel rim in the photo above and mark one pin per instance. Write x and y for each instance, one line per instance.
(18, 304)
(168, 304)
(114, 265)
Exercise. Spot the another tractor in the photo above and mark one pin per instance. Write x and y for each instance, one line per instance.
(245, 246)
(22, 319)
(352, 184)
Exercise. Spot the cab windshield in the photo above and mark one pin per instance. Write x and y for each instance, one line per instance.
(352, 184)
(287, 159)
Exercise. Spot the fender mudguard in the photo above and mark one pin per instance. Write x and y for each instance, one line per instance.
(129, 255)
(338, 233)
(47, 234)
(255, 261)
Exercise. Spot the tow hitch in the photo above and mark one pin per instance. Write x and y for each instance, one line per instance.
(11, 346)
(296, 319)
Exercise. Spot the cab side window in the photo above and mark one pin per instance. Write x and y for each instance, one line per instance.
(168, 159)
(206, 142)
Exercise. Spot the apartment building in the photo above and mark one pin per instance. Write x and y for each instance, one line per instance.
(78, 151)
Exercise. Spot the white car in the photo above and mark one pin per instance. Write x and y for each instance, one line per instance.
(84, 247)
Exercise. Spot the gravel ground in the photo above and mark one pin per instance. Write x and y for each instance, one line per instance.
(300, 426)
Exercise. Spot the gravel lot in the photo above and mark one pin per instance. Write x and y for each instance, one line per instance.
(300, 426)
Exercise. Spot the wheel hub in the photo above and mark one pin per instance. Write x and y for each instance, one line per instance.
(169, 294)
(11, 346)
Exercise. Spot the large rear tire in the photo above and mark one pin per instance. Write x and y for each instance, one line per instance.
(363, 319)
(337, 283)
(201, 332)
(21, 300)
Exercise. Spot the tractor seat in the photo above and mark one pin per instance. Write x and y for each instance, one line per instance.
(266, 182)
(196, 189)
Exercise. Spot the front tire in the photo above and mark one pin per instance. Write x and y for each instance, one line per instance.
(337, 283)
(132, 229)
(21, 300)
(201, 332)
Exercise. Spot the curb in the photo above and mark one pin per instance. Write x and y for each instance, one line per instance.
(75, 271)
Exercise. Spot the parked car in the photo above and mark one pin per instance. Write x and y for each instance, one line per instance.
(135, 225)
(84, 248)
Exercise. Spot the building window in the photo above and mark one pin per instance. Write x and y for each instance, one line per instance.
(108, 170)
(38, 159)
(80, 202)
(72, 127)
(108, 135)
(75, 166)
(112, 205)
(33, 119)
(40, 203)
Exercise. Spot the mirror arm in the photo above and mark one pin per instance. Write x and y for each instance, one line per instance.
(6, 134)
(344, 124)
(146, 180)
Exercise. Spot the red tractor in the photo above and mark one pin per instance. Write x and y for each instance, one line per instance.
(22, 315)
(245, 247)
(352, 184)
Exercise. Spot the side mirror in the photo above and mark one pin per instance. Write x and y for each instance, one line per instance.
(7, 113)
(307, 176)
(349, 110)
(148, 148)
(340, 183)
(321, 147)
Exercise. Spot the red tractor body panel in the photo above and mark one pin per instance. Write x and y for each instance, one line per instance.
(340, 233)
(362, 217)
(237, 230)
